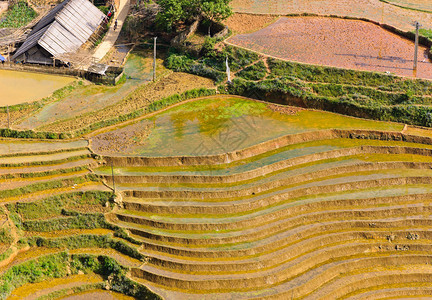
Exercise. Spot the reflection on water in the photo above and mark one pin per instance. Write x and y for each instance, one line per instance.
(220, 125)
(19, 87)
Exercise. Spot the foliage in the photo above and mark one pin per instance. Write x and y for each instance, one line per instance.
(61, 264)
(19, 15)
(5, 236)
(54, 205)
(104, 9)
(213, 64)
(30, 134)
(178, 63)
(215, 11)
(349, 77)
(255, 72)
(355, 105)
(78, 221)
(50, 266)
(174, 12)
(55, 184)
(87, 241)
(426, 33)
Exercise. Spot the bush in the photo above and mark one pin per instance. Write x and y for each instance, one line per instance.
(255, 72)
(178, 63)
(18, 15)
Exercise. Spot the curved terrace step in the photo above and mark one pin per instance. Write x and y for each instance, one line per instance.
(232, 224)
(265, 147)
(316, 277)
(254, 234)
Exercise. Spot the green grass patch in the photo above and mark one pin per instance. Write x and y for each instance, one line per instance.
(18, 15)
(255, 72)
(87, 241)
(53, 206)
(76, 221)
(5, 236)
(55, 184)
(61, 264)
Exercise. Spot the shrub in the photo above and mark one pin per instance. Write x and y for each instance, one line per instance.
(179, 63)
(19, 14)
(254, 72)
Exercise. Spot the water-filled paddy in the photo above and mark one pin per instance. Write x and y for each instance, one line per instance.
(86, 99)
(219, 125)
(19, 87)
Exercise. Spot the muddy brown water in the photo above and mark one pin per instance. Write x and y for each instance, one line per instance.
(20, 87)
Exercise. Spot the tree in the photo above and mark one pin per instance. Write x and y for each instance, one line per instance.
(171, 13)
(215, 11)
(174, 12)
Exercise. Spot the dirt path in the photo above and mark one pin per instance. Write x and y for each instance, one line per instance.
(16, 237)
(113, 33)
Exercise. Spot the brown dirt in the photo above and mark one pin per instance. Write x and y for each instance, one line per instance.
(286, 110)
(245, 23)
(122, 140)
(14, 116)
(171, 84)
(339, 43)
(367, 9)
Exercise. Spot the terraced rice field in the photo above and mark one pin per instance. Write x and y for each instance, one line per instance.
(338, 43)
(50, 201)
(424, 5)
(386, 12)
(312, 205)
(322, 213)
(218, 125)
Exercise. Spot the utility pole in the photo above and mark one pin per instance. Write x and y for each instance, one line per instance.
(8, 116)
(417, 25)
(154, 59)
(112, 172)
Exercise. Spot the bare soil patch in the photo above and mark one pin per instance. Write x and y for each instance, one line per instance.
(339, 43)
(375, 10)
(425, 5)
(14, 116)
(245, 23)
(283, 109)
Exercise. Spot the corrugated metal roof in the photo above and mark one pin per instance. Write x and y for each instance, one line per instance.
(59, 40)
(68, 26)
(49, 18)
(72, 27)
(30, 42)
(98, 68)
